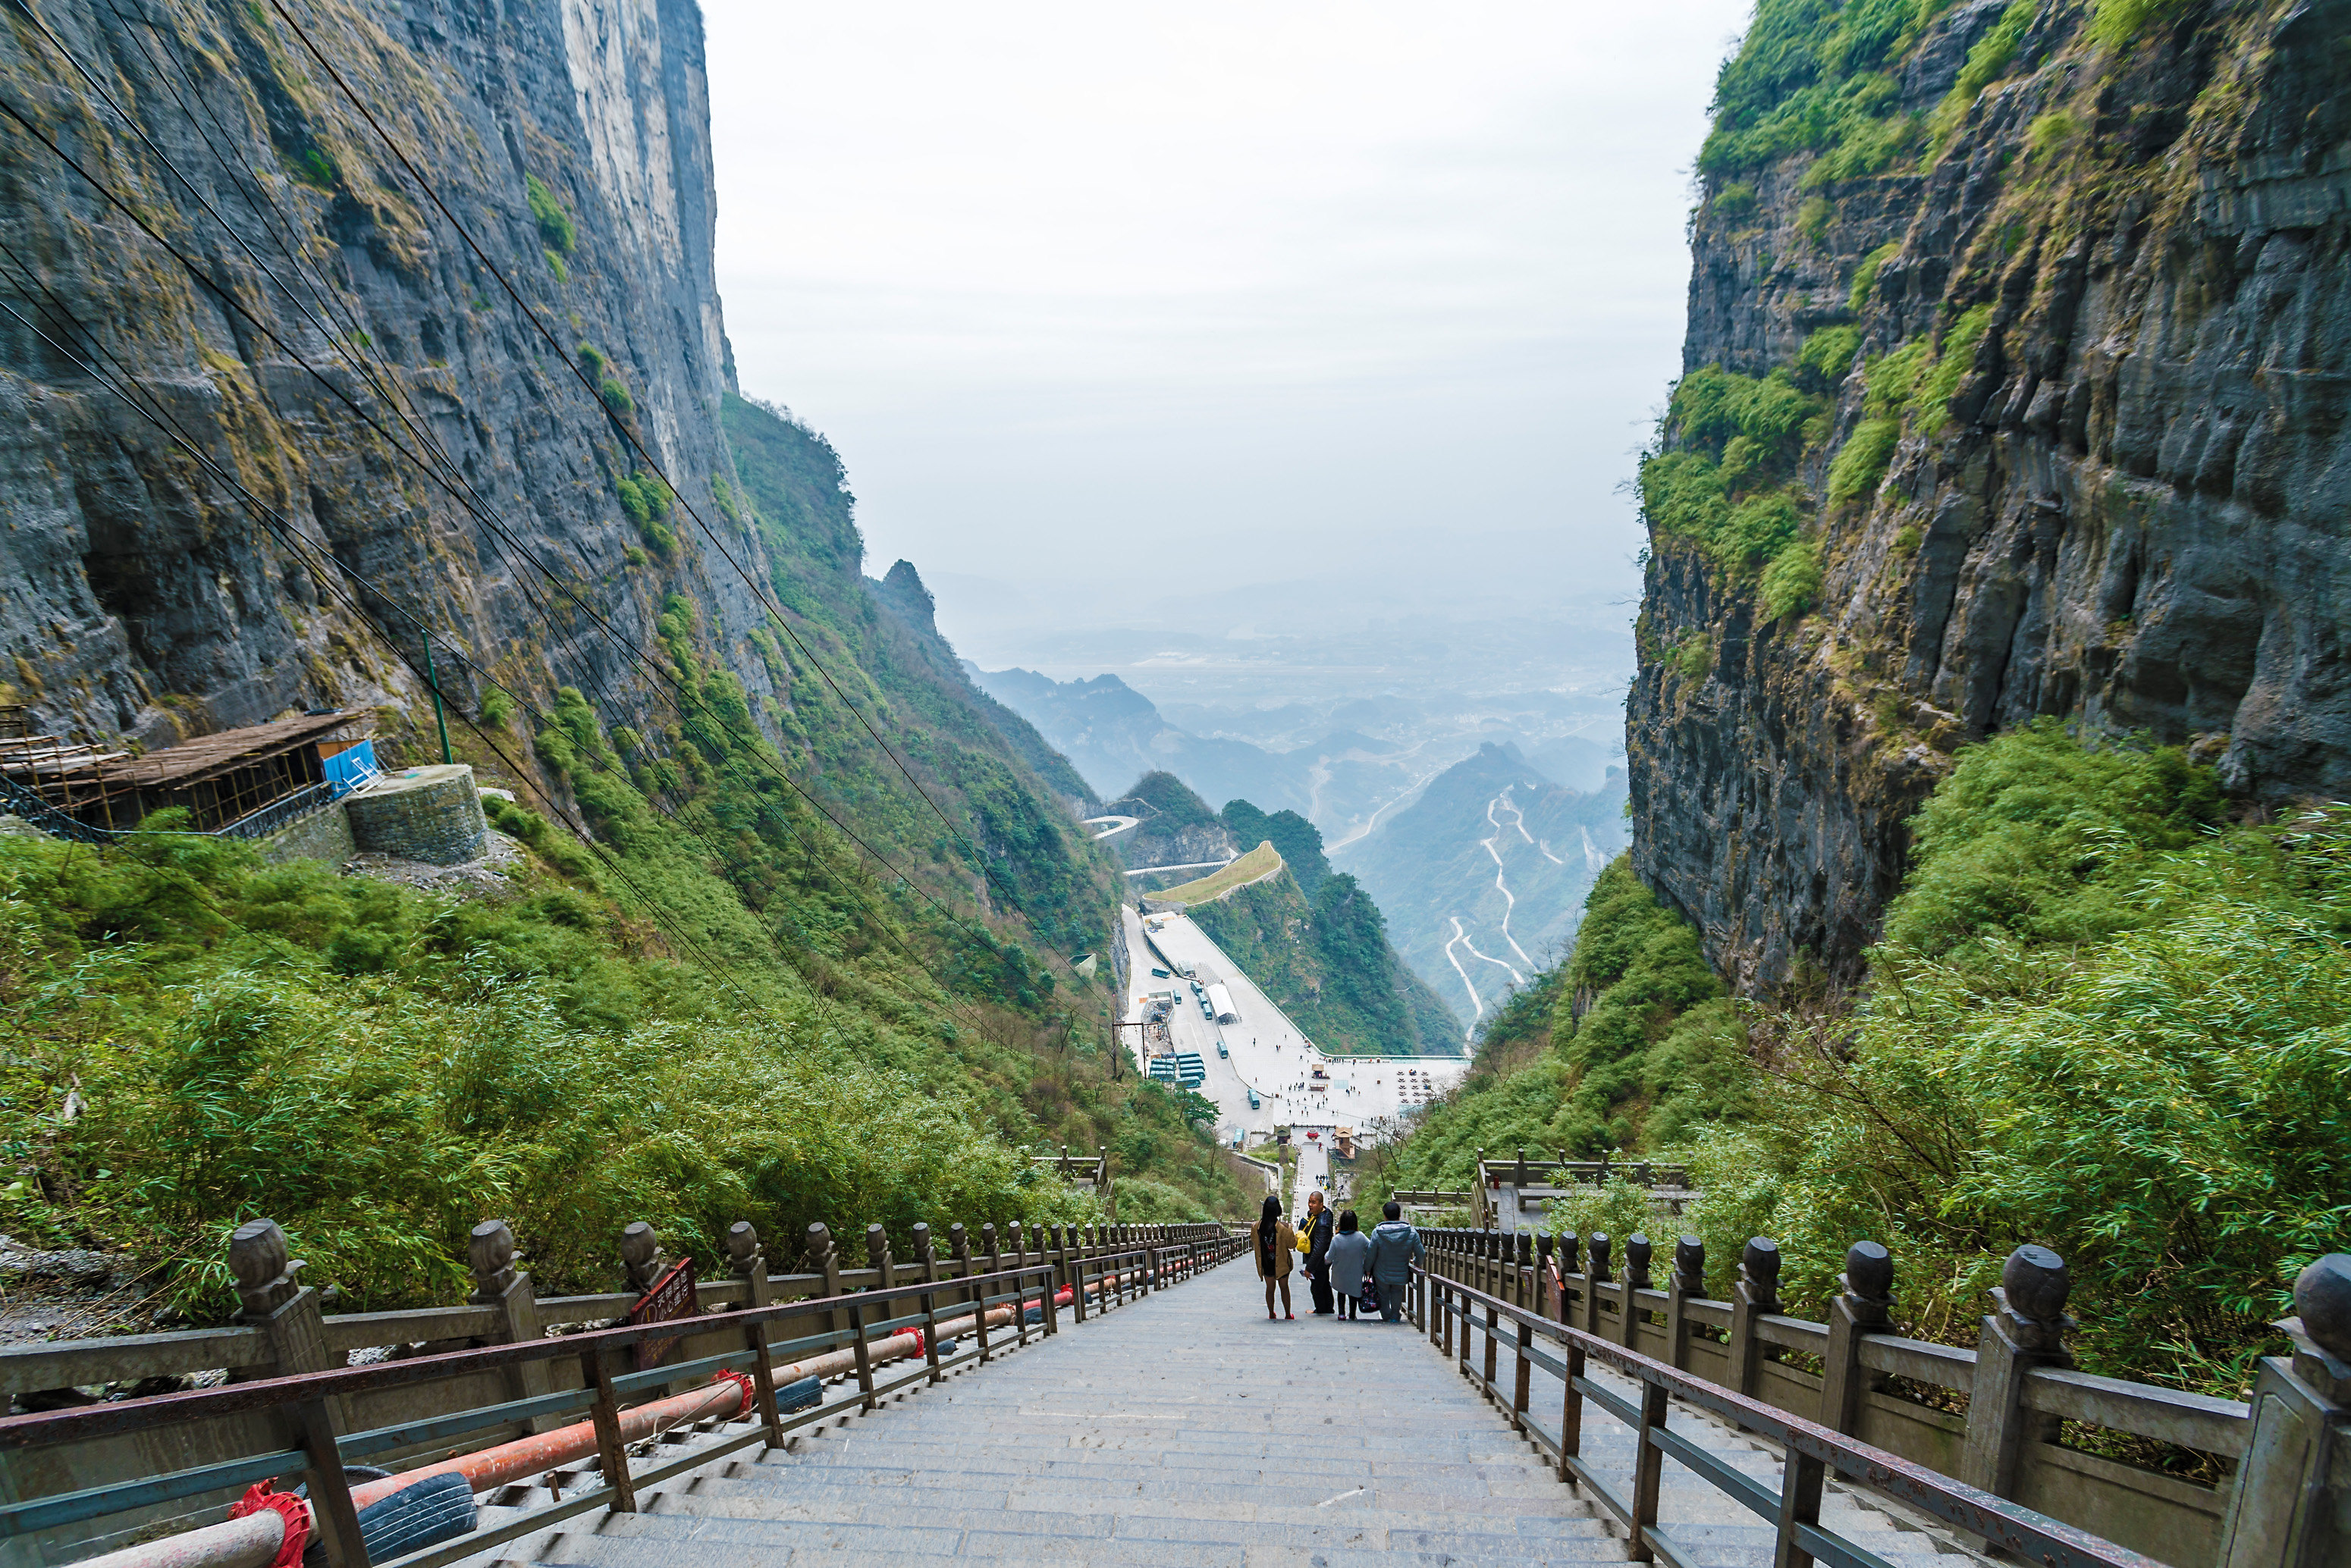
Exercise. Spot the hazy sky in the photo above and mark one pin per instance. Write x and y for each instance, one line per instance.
(1115, 299)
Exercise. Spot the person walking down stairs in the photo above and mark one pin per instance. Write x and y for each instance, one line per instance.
(1276, 1240)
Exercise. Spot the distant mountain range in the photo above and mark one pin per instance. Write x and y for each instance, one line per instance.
(1114, 735)
(1483, 877)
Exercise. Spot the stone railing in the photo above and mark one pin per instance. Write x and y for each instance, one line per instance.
(283, 1331)
(1509, 1194)
(2018, 1384)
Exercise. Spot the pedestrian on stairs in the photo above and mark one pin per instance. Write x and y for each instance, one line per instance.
(1275, 1242)
(1394, 1248)
(1351, 1251)
(1316, 1244)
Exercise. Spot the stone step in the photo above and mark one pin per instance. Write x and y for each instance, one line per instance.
(717, 1498)
(660, 1540)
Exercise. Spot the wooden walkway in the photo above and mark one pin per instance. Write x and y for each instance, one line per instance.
(1182, 1429)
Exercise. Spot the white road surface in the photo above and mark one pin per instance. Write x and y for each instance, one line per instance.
(1270, 1054)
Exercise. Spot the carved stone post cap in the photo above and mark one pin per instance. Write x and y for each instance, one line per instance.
(2322, 1295)
(988, 1229)
(1600, 1241)
(638, 1245)
(819, 1242)
(1544, 1247)
(742, 1240)
(1760, 1260)
(958, 1239)
(2034, 1282)
(490, 1252)
(1869, 1271)
(257, 1253)
(1690, 1262)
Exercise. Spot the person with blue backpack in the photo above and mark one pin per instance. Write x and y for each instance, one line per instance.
(1395, 1248)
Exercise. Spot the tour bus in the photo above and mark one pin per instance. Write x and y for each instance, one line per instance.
(1253, 1100)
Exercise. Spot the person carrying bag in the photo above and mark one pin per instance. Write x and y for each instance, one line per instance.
(1275, 1241)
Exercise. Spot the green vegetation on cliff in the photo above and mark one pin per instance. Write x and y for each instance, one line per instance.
(1296, 840)
(1628, 1043)
(2102, 1018)
(195, 1037)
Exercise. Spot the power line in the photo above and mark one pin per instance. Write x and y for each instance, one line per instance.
(294, 544)
(637, 654)
(282, 528)
(757, 590)
(467, 500)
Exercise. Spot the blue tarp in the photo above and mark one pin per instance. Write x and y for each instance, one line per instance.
(350, 768)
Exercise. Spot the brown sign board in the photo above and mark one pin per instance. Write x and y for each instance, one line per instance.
(671, 1297)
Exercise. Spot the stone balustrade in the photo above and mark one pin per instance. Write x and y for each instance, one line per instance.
(283, 1329)
(1989, 1416)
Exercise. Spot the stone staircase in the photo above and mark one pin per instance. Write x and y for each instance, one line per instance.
(1182, 1429)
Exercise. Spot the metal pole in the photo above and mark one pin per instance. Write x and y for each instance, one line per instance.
(440, 718)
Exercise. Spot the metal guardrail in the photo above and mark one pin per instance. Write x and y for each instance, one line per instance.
(29, 805)
(1448, 1314)
(310, 1398)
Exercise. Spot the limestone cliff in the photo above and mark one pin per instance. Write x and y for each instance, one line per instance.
(336, 343)
(2014, 385)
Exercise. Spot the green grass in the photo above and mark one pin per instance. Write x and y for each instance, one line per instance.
(1260, 863)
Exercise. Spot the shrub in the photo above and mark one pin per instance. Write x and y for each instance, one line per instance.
(2118, 23)
(2050, 131)
(1932, 402)
(1827, 354)
(1792, 582)
(1987, 60)
(1860, 465)
(1864, 277)
(1813, 220)
(554, 222)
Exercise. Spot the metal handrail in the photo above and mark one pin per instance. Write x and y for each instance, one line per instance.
(269, 1393)
(321, 1452)
(1811, 1449)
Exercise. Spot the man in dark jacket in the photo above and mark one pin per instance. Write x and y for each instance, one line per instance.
(1395, 1248)
(1317, 1229)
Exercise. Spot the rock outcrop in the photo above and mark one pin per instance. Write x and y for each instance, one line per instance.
(2060, 302)
(250, 260)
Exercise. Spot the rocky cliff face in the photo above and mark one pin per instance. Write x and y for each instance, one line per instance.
(2015, 385)
(335, 344)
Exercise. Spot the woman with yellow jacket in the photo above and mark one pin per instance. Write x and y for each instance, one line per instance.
(1276, 1240)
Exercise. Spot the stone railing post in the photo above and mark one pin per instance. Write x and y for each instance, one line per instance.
(1572, 1288)
(927, 1259)
(1686, 1280)
(1865, 1307)
(1593, 1321)
(290, 1314)
(825, 1260)
(1542, 1302)
(959, 1260)
(642, 1257)
(2027, 1329)
(747, 1260)
(1756, 1295)
(497, 1283)
(1018, 1238)
(1637, 1279)
(877, 1257)
(2289, 1507)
